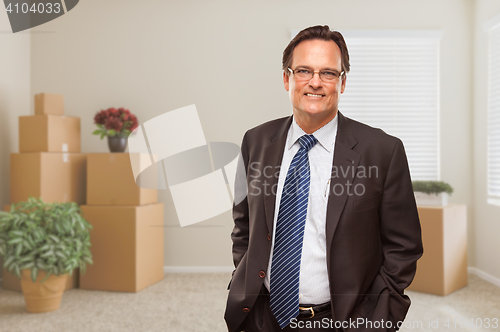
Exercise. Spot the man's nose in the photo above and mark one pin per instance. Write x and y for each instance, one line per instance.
(315, 81)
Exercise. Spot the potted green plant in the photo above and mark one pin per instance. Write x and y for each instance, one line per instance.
(116, 124)
(433, 193)
(42, 243)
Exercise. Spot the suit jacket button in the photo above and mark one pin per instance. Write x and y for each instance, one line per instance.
(262, 274)
(246, 310)
(269, 237)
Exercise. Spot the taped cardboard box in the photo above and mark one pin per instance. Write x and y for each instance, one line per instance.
(49, 133)
(111, 181)
(127, 247)
(54, 177)
(49, 103)
(11, 282)
(443, 266)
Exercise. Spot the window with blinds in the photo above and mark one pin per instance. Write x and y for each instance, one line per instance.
(493, 152)
(394, 85)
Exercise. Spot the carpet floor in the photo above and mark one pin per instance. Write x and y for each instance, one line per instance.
(196, 302)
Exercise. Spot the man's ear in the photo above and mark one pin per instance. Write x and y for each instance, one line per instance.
(342, 88)
(286, 81)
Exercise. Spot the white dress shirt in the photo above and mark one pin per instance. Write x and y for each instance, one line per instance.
(314, 287)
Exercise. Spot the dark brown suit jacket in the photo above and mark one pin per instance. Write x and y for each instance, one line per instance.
(373, 236)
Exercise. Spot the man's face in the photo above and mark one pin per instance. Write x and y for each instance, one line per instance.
(314, 99)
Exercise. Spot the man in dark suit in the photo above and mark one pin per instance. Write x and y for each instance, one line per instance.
(328, 235)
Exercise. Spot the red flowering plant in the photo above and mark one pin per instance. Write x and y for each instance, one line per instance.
(115, 122)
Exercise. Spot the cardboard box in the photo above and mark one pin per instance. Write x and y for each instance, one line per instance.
(49, 133)
(12, 282)
(54, 177)
(49, 103)
(127, 247)
(443, 266)
(110, 181)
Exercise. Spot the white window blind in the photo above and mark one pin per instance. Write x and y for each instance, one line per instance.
(493, 152)
(394, 85)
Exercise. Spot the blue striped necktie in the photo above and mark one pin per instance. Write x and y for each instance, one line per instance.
(287, 252)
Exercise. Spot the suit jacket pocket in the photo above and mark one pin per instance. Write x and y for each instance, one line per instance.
(368, 202)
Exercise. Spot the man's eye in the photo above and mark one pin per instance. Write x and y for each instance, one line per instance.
(329, 74)
(303, 71)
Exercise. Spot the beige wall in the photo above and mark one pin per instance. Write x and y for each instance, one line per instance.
(14, 97)
(225, 57)
(486, 216)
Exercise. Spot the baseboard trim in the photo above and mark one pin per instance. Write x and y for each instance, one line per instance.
(483, 275)
(198, 269)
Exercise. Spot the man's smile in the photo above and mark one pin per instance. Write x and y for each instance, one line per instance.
(314, 95)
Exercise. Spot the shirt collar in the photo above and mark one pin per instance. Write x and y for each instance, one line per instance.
(325, 135)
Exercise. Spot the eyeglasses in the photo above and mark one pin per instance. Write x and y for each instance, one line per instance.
(327, 76)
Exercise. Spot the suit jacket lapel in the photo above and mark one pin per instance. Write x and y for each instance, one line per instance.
(273, 156)
(345, 163)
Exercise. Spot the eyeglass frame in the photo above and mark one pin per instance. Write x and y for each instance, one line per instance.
(319, 74)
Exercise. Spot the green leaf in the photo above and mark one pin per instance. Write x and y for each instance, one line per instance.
(111, 132)
(17, 218)
(60, 254)
(37, 234)
(26, 259)
(54, 238)
(28, 265)
(47, 254)
(45, 247)
(97, 132)
(41, 265)
(16, 240)
(7, 262)
(15, 233)
(17, 271)
(34, 273)
(27, 245)
(19, 249)
(30, 241)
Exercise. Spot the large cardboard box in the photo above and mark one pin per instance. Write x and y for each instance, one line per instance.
(11, 282)
(443, 266)
(49, 103)
(49, 133)
(127, 247)
(110, 181)
(54, 177)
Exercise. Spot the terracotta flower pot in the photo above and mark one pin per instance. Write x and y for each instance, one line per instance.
(42, 297)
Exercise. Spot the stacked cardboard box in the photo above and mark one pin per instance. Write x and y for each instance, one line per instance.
(49, 165)
(127, 234)
(443, 266)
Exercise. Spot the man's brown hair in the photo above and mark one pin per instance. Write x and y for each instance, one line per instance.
(317, 32)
